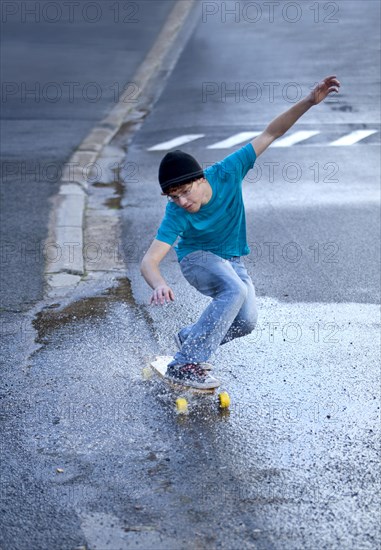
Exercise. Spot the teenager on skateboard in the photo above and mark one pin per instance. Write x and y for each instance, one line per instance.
(205, 209)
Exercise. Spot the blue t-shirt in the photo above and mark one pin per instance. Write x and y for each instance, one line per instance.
(220, 225)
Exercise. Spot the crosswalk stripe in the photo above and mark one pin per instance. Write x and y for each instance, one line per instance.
(353, 137)
(175, 142)
(233, 140)
(296, 137)
(293, 139)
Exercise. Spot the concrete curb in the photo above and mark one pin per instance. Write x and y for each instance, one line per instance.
(65, 265)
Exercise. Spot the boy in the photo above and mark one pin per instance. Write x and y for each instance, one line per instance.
(206, 211)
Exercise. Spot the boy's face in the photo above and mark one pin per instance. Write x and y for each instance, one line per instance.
(191, 196)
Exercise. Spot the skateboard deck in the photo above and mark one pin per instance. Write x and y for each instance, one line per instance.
(159, 365)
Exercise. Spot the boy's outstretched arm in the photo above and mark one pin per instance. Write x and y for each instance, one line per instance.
(283, 122)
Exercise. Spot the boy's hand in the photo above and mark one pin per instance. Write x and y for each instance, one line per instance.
(325, 87)
(162, 294)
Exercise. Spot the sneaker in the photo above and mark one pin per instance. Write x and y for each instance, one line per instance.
(193, 375)
(179, 344)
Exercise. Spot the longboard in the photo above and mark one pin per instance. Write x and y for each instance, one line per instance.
(159, 365)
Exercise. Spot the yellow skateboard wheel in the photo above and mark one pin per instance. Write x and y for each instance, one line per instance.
(181, 405)
(224, 400)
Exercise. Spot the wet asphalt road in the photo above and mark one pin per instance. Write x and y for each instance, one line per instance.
(295, 462)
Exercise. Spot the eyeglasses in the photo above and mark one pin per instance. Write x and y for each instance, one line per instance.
(175, 198)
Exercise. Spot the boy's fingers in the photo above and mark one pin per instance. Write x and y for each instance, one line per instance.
(162, 296)
(334, 81)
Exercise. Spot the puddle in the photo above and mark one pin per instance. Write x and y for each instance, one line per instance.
(115, 201)
(52, 318)
(343, 108)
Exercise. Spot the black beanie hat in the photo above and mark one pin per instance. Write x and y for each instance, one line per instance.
(178, 168)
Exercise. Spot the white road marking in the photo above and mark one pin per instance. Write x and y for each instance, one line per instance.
(296, 137)
(175, 142)
(288, 141)
(233, 140)
(353, 137)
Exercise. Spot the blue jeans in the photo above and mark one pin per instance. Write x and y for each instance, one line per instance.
(231, 314)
